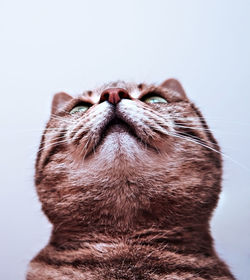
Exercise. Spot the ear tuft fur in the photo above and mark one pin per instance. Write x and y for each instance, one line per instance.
(59, 100)
(174, 85)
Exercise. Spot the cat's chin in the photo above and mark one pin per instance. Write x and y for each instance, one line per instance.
(121, 138)
(118, 138)
(119, 128)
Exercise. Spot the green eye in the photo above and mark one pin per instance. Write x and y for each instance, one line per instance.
(79, 108)
(155, 99)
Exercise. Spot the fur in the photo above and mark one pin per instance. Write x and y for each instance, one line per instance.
(130, 199)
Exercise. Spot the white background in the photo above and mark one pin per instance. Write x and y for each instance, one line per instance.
(53, 45)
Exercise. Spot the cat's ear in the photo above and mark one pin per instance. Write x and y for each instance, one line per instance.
(174, 85)
(59, 100)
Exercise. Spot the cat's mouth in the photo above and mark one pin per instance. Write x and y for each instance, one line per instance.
(115, 132)
(117, 125)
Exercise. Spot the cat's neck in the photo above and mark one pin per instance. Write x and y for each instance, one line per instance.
(191, 239)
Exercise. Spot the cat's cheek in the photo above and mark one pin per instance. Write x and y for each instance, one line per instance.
(163, 145)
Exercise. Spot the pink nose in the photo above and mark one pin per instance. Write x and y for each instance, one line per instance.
(114, 95)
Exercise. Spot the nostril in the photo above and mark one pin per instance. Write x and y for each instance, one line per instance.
(105, 96)
(123, 94)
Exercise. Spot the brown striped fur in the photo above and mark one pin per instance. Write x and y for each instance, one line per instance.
(131, 200)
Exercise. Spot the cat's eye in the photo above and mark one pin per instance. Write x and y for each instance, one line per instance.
(155, 99)
(80, 108)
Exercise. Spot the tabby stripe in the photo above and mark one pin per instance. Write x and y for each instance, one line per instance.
(205, 126)
(157, 263)
(147, 266)
(54, 148)
(41, 146)
(79, 137)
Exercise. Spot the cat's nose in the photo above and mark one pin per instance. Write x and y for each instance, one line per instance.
(114, 95)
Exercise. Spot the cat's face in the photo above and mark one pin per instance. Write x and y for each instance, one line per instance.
(126, 156)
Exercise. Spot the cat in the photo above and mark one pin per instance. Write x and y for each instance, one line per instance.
(129, 176)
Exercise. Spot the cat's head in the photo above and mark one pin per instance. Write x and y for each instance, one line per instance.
(127, 156)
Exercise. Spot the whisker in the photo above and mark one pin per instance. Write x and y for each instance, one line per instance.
(197, 118)
(210, 148)
(51, 144)
(61, 119)
(204, 129)
(193, 127)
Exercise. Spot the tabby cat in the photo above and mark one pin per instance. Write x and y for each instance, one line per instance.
(129, 176)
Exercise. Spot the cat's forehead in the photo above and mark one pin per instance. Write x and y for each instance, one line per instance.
(133, 89)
